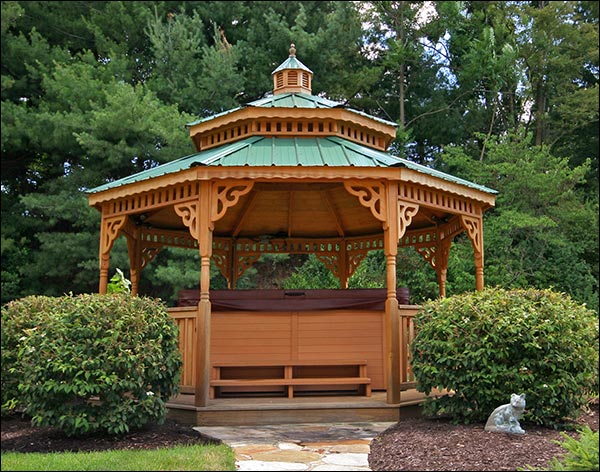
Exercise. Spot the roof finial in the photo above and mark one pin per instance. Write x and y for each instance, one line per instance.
(292, 50)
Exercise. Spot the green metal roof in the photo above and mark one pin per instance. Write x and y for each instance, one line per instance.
(293, 100)
(292, 63)
(267, 152)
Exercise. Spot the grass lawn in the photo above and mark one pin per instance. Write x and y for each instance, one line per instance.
(205, 457)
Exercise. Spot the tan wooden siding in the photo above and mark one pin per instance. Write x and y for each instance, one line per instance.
(250, 336)
(344, 334)
(281, 336)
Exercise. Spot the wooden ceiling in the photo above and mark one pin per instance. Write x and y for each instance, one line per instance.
(293, 210)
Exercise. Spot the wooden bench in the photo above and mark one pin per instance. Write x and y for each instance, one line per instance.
(290, 374)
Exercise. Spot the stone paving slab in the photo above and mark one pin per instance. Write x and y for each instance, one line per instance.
(308, 446)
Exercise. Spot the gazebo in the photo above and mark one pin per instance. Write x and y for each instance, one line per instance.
(291, 173)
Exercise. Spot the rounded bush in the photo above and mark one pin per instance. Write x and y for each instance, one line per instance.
(486, 345)
(100, 363)
(18, 317)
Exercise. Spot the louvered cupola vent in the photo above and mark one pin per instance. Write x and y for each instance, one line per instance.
(292, 76)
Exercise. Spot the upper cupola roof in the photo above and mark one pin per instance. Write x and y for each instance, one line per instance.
(291, 111)
(292, 76)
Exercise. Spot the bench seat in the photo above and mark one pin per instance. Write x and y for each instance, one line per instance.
(287, 377)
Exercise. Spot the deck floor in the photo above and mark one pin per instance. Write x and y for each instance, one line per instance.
(300, 409)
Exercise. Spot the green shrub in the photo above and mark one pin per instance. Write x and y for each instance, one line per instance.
(100, 363)
(485, 345)
(18, 317)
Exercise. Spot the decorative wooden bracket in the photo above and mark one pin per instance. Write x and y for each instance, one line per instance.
(354, 261)
(109, 232)
(222, 263)
(188, 212)
(474, 230)
(406, 211)
(370, 195)
(429, 254)
(226, 195)
(148, 254)
(242, 264)
(331, 261)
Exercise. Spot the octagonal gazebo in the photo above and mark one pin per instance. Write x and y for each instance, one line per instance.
(291, 173)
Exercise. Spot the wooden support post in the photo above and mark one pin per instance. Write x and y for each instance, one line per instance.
(442, 254)
(104, 266)
(392, 326)
(392, 321)
(479, 284)
(203, 333)
(196, 215)
(203, 320)
(396, 216)
(134, 250)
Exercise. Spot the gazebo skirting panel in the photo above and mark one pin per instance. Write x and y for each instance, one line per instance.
(252, 411)
(325, 332)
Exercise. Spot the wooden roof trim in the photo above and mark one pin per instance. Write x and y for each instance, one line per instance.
(156, 183)
(290, 174)
(409, 175)
(304, 114)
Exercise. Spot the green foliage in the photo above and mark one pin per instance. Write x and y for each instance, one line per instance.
(98, 363)
(118, 283)
(110, 98)
(18, 319)
(541, 233)
(582, 453)
(186, 68)
(412, 271)
(311, 275)
(370, 273)
(484, 346)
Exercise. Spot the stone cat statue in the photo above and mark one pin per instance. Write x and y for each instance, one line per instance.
(505, 418)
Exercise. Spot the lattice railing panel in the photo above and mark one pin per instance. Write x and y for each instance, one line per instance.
(167, 238)
(426, 237)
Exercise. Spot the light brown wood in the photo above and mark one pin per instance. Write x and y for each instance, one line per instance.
(233, 214)
(292, 122)
(229, 339)
(292, 363)
(289, 374)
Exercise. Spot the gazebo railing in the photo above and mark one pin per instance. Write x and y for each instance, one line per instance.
(407, 334)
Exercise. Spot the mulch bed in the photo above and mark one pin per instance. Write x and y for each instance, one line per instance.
(430, 444)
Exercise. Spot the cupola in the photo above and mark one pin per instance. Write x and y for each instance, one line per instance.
(292, 76)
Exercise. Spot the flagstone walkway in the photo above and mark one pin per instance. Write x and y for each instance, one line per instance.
(309, 446)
